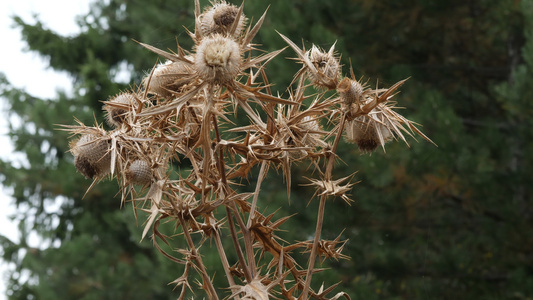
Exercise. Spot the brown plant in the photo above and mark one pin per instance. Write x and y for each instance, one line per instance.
(177, 114)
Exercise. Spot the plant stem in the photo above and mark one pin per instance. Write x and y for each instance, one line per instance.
(322, 208)
(198, 259)
(223, 257)
(237, 246)
(248, 244)
(262, 173)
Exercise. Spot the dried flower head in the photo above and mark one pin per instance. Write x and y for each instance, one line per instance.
(322, 68)
(165, 78)
(92, 156)
(218, 59)
(350, 91)
(311, 129)
(220, 18)
(117, 107)
(368, 132)
(327, 69)
(139, 172)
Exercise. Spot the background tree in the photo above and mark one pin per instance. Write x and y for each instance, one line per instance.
(438, 223)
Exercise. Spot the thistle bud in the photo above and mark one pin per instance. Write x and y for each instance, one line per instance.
(327, 68)
(367, 133)
(218, 59)
(165, 78)
(92, 155)
(310, 126)
(219, 19)
(350, 91)
(139, 172)
(117, 107)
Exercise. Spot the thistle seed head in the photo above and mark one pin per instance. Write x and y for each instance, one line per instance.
(92, 155)
(311, 126)
(328, 68)
(218, 59)
(117, 107)
(367, 133)
(165, 78)
(219, 19)
(139, 172)
(350, 91)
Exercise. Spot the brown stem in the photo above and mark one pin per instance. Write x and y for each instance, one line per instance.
(223, 258)
(237, 246)
(206, 140)
(321, 209)
(198, 260)
(262, 173)
(248, 244)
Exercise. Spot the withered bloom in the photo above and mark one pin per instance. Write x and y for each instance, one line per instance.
(219, 19)
(117, 107)
(368, 133)
(92, 155)
(218, 59)
(139, 172)
(166, 78)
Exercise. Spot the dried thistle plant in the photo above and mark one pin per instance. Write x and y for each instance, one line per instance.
(177, 113)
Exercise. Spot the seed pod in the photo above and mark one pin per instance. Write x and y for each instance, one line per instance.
(117, 107)
(350, 91)
(92, 155)
(218, 59)
(139, 172)
(310, 126)
(367, 133)
(166, 78)
(327, 69)
(219, 19)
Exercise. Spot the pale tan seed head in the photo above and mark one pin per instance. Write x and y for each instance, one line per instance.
(139, 172)
(367, 133)
(165, 78)
(218, 59)
(350, 91)
(92, 155)
(219, 19)
(117, 107)
(310, 127)
(254, 290)
(327, 68)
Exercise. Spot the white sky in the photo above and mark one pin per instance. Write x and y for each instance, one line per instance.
(27, 70)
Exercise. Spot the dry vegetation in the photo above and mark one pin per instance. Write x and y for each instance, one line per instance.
(177, 114)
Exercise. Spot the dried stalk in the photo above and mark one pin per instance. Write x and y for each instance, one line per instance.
(322, 209)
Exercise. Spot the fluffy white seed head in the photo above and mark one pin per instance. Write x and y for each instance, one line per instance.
(218, 59)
